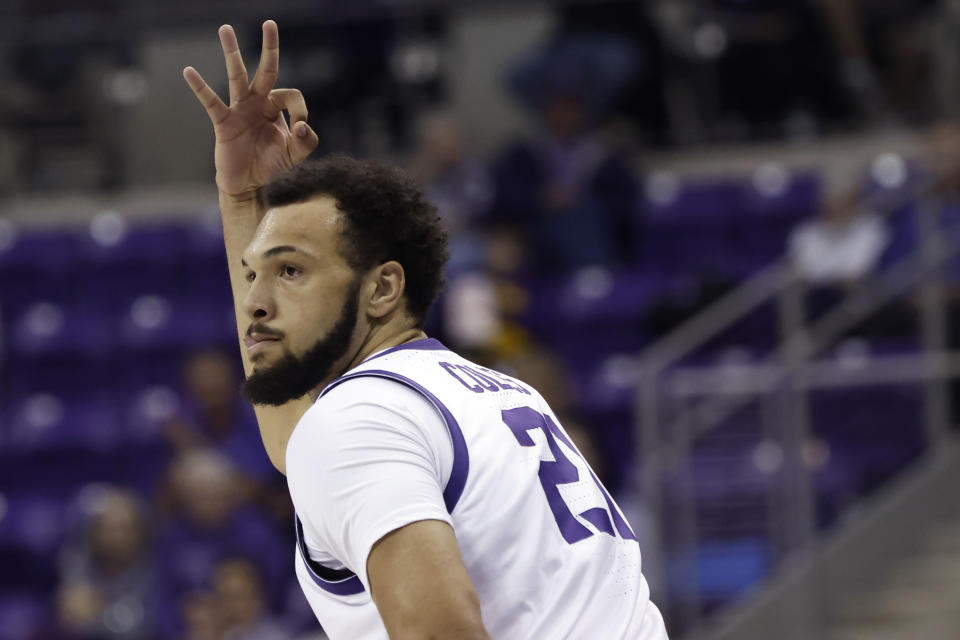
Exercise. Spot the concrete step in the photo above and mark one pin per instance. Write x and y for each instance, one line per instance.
(929, 629)
(895, 603)
(944, 538)
(933, 569)
(918, 597)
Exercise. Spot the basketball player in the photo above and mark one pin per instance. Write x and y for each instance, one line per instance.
(434, 498)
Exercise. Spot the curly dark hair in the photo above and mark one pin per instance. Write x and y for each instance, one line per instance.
(387, 218)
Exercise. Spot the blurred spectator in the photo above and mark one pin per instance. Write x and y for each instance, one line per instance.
(472, 315)
(839, 250)
(638, 105)
(942, 154)
(942, 145)
(546, 373)
(885, 53)
(107, 586)
(239, 587)
(570, 194)
(457, 183)
(203, 619)
(217, 417)
(758, 41)
(483, 310)
(841, 246)
(211, 520)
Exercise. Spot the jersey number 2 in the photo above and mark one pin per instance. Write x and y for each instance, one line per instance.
(562, 471)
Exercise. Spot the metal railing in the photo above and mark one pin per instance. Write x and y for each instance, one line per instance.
(786, 377)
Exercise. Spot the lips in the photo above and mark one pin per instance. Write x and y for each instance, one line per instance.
(256, 338)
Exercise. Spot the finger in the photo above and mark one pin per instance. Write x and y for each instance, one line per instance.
(266, 76)
(305, 140)
(217, 111)
(291, 101)
(236, 72)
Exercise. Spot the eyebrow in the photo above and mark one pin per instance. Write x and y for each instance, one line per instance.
(284, 248)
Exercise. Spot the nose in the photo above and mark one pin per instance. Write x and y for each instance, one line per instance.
(258, 304)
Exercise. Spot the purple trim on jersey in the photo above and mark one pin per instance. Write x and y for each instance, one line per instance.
(423, 344)
(461, 458)
(341, 582)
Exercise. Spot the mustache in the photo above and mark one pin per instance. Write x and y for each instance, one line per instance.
(265, 330)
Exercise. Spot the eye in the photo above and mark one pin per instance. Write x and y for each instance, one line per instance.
(290, 271)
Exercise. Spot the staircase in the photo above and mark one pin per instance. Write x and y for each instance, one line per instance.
(917, 599)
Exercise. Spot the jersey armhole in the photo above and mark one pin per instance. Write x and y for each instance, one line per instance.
(341, 582)
(461, 459)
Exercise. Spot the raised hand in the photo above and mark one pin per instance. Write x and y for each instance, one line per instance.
(254, 141)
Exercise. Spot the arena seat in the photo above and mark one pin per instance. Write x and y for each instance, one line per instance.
(21, 613)
(44, 421)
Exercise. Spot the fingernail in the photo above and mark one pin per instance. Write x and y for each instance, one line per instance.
(302, 131)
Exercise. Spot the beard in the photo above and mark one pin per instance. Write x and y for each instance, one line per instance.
(292, 376)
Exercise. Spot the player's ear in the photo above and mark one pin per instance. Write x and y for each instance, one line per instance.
(389, 282)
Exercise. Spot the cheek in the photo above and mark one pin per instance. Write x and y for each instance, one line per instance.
(312, 311)
(309, 322)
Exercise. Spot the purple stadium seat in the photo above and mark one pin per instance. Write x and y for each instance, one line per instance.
(156, 322)
(33, 522)
(205, 236)
(59, 374)
(771, 209)
(33, 267)
(27, 252)
(595, 296)
(608, 384)
(110, 290)
(904, 236)
(798, 197)
(203, 270)
(875, 431)
(674, 250)
(902, 225)
(146, 368)
(835, 485)
(593, 313)
(20, 615)
(112, 241)
(18, 291)
(687, 226)
(48, 328)
(146, 411)
(47, 422)
(693, 203)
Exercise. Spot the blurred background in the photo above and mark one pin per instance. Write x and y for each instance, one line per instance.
(720, 236)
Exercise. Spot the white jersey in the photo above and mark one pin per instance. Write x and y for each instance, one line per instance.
(418, 433)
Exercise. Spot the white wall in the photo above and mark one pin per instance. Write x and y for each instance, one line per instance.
(483, 41)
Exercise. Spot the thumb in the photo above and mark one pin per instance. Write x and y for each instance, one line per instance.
(304, 141)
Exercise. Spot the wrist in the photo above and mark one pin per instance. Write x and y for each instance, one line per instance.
(249, 196)
(240, 208)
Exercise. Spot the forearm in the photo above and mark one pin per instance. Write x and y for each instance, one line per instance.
(254, 145)
(240, 216)
(421, 587)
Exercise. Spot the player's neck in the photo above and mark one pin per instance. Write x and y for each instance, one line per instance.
(381, 340)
